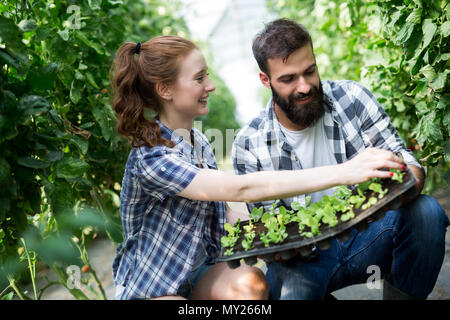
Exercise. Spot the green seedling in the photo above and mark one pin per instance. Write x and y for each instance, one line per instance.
(348, 215)
(309, 217)
(264, 239)
(230, 240)
(369, 203)
(285, 215)
(378, 188)
(357, 200)
(343, 192)
(256, 214)
(249, 236)
(398, 175)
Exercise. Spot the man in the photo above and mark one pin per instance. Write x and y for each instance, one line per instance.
(311, 123)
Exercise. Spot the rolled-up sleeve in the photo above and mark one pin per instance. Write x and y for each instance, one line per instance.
(163, 173)
(377, 129)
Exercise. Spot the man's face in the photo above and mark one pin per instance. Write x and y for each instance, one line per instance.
(296, 87)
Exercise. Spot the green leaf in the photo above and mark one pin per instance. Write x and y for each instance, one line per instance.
(446, 151)
(428, 72)
(404, 33)
(64, 34)
(27, 25)
(445, 28)
(415, 64)
(444, 102)
(415, 16)
(33, 163)
(90, 79)
(115, 2)
(54, 155)
(103, 118)
(418, 3)
(79, 76)
(428, 29)
(400, 106)
(394, 18)
(75, 93)
(95, 4)
(446, 121)
(430, 128)
(17, 61)
(92, 44)
(439, 81)
(42, 33)
(70, 168)
(31, 105)
(81, 143)
(443, 57)
(61, 196)
(11, 35)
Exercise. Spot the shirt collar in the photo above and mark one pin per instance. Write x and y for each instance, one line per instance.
(199, 145)
(170, 134)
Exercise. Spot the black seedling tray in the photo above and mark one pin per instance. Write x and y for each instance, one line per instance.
(295, 243)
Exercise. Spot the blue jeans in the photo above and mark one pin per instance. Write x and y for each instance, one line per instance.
(408, 246)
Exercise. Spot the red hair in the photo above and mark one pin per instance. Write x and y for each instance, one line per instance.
(133, 79)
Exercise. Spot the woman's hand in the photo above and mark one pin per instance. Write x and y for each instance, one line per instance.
(366, 165)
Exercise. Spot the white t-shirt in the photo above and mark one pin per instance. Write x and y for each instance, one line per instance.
(313, 150)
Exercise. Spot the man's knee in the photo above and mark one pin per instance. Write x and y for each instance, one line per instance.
(251, 284)
(429, 209)
(426, 220)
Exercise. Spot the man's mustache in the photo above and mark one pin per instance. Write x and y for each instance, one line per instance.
(300, 95)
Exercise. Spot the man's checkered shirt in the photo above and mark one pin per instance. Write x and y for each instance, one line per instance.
(353, 120)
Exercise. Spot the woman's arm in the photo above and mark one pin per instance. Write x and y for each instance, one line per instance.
(214, 185)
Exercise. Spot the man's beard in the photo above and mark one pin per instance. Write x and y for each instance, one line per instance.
(303, 115)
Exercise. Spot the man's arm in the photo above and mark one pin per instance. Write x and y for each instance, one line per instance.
(420, 176)
(378, 131)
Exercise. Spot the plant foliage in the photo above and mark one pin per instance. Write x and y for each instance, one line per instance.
(400, 50)
(61, 161)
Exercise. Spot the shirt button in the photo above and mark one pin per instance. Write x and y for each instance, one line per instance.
(163, 169)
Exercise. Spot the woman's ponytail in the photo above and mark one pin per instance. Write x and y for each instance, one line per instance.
(133, 78)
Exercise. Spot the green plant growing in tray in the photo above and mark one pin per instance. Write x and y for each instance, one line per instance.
(328, 211)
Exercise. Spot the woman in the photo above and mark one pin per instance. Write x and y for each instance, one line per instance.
(172, 199)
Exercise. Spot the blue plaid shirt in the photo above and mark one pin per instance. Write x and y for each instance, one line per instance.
(353, 120)
(164, 232)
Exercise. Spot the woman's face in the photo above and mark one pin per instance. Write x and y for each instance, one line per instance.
(191, 90)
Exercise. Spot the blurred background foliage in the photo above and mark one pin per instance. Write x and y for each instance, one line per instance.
(61, 161)
(399, 49)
